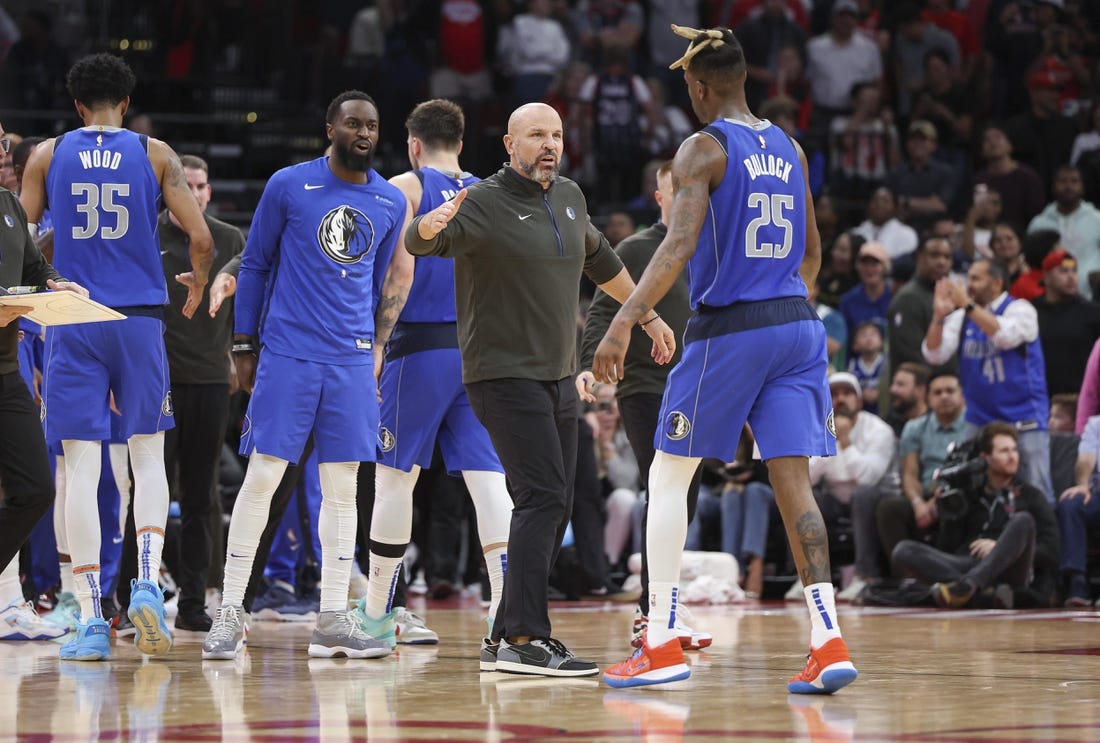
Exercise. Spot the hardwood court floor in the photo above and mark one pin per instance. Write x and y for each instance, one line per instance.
(924, 675)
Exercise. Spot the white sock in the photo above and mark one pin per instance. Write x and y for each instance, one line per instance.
(150, 501)
(336, 528)
(68, 584)
(496, 565)
(10, 590)
(82, 469)
(250, 514)
(493, 506)
(119, 454)
(391, 524)
(822, 604)
(669, 479)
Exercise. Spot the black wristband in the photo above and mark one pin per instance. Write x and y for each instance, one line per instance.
(656, 315)
(970, 307)
(244, 347)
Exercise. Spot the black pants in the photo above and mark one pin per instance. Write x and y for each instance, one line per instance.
(533, 427)
(639, 414)
(193, 446)
(24, 466)
(1010, 560)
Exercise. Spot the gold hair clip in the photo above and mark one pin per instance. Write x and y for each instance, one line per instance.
(714, 39)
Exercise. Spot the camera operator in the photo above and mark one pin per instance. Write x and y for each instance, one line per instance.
(1079, 514)
(994, 530)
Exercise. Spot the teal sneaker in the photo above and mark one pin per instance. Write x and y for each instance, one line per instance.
(66, 613)
(92, 642)
(149, 617)
(383, 629)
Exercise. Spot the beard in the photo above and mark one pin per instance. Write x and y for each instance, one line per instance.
(353, 160)
(534, 171)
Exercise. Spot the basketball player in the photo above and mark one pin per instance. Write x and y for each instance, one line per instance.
(422, 394)
(743, 222)
(102, 185)
(322, 236)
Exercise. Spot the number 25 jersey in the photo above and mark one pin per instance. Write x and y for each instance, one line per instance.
(752, 242)
(104, 196)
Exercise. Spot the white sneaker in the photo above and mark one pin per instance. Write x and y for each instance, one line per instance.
(690, 639)
(19, 621)
(797, 592)
(851, 593)
(411, 629)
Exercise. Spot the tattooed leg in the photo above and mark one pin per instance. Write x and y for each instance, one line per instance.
(790, 478)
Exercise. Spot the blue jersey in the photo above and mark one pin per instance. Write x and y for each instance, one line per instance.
(103, 197)
(432, 297)
(751, 246)
(1002, 385)
(313, 266)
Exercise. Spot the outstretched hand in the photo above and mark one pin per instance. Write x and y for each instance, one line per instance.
(435, 221)
(194, 293)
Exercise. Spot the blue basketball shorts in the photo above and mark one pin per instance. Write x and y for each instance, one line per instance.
(293, 398)
(775, 377)
(423, 400)
(85, 363)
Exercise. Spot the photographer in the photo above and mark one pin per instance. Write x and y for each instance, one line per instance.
(994, 530)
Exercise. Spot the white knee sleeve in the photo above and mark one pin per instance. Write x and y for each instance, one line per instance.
(493, 504)
(336, 529)
(250, 514)
(391, 519)
(82, 469)
(119, 454)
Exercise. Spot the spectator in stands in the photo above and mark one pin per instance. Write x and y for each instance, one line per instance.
(1019, 185)
(1007, 532)
(915, 38)
(664, 47)
(1041, 137)
(1068, 324)
(838, 268)
(836, 330)
(828, 220)
(1088, 402)
(868, 362)
(34, 73)
(762, 37)
(1065, 69)
(791, 82)
(1013, 39)
(863, 145)
(925, 188)
(870, 298)
(462, 72)
(925, 442)
(534, 50)
(883, 226)
(619, 226)
(979, 228)
(908, 395)
(671, 126)
(911, 308)
(617, 469)
(1063, 441)
(838, 60)
(1028, 283)
(946, 104)
(1063, 411)
(564, 97)
(943, 14)
(1000, 360)
(602, 24)
(1078, 223)
(855, 477)
(1079, 513)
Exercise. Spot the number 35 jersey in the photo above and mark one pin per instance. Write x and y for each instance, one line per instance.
(104, 196)
(752, 242)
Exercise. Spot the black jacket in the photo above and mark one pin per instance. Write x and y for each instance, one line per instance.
(519, 252)
(21, 263)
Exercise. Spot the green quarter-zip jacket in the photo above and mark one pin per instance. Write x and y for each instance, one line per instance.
(519, 251)
(21, 263)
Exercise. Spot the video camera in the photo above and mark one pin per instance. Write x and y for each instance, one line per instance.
(962, 478)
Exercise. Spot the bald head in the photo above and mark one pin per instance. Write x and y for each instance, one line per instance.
(534, 142)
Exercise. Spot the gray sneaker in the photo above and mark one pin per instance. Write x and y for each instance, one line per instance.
(226, 636)
(337, 634)
(488, 657)
(542, 657)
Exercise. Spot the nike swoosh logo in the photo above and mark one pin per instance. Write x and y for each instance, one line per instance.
(525, 217)
(237, 556)
(311, 188)
(344, 559)
(116, 540)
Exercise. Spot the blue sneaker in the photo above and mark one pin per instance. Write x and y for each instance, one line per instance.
(383, 629)
(92, 642)
(148, 615)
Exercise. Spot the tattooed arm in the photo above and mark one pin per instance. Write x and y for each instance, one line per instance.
(696, 171)
(181, 202)
(399, 275)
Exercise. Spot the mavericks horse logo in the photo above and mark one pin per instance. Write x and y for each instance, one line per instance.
(346, 235)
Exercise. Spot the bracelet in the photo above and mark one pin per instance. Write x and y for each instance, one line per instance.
(656, 315)
(970, 307)
(242, 347)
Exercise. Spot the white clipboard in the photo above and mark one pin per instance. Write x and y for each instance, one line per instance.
(60, 308)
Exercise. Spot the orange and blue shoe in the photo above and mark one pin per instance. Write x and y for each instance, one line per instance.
(650, 665)
(828, 669)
